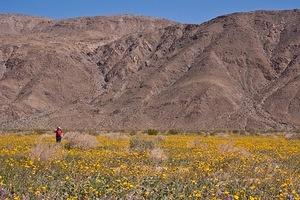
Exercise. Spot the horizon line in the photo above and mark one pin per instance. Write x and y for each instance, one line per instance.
(146, 16)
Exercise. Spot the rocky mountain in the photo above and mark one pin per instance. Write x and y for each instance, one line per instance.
(240, 71)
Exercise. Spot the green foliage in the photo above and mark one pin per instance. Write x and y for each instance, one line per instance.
(152, 132)
(132, 132)
(173, 132)
(141, 144)
(40, 131)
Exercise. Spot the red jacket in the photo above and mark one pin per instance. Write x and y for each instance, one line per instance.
(59, 133)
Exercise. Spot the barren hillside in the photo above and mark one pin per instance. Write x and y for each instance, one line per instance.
(240, 71)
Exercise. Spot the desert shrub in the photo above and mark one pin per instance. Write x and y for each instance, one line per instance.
(90, 132)
(250, 131)
(292, 136)
(116, 136)
(235, 131)
(159, 139)
(157, 155)
(152, 132)
(201, 132)
(230, 148)
(173, 132)
(46, 151)
(40, 131)
(211, 133)
(132, 132)
(80, 141)
(139, 143)
(222, 134)
(217, 131)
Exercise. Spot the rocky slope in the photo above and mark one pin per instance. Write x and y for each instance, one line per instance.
(239, 71)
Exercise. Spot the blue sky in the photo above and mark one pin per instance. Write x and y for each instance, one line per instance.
(186, 11)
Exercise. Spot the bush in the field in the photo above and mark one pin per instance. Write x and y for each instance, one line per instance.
(173, 132)
(159, 139)
(117, 136)
(157, 155)
(46, 151)
(152, 132)
(230, 148)
(40, 131)
(139, 143)
(292, 136)
(80, 141)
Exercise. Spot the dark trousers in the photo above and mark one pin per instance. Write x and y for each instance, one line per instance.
(58, 139)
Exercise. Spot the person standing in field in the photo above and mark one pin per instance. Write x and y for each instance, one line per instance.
(58, 134)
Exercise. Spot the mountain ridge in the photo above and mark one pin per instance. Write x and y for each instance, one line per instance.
(239, 71)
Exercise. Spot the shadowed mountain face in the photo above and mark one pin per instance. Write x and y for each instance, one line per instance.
(240, 71)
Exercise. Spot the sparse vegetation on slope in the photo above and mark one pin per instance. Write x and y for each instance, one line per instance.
(240, 71)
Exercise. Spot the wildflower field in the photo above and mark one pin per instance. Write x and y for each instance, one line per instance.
(123, 166)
